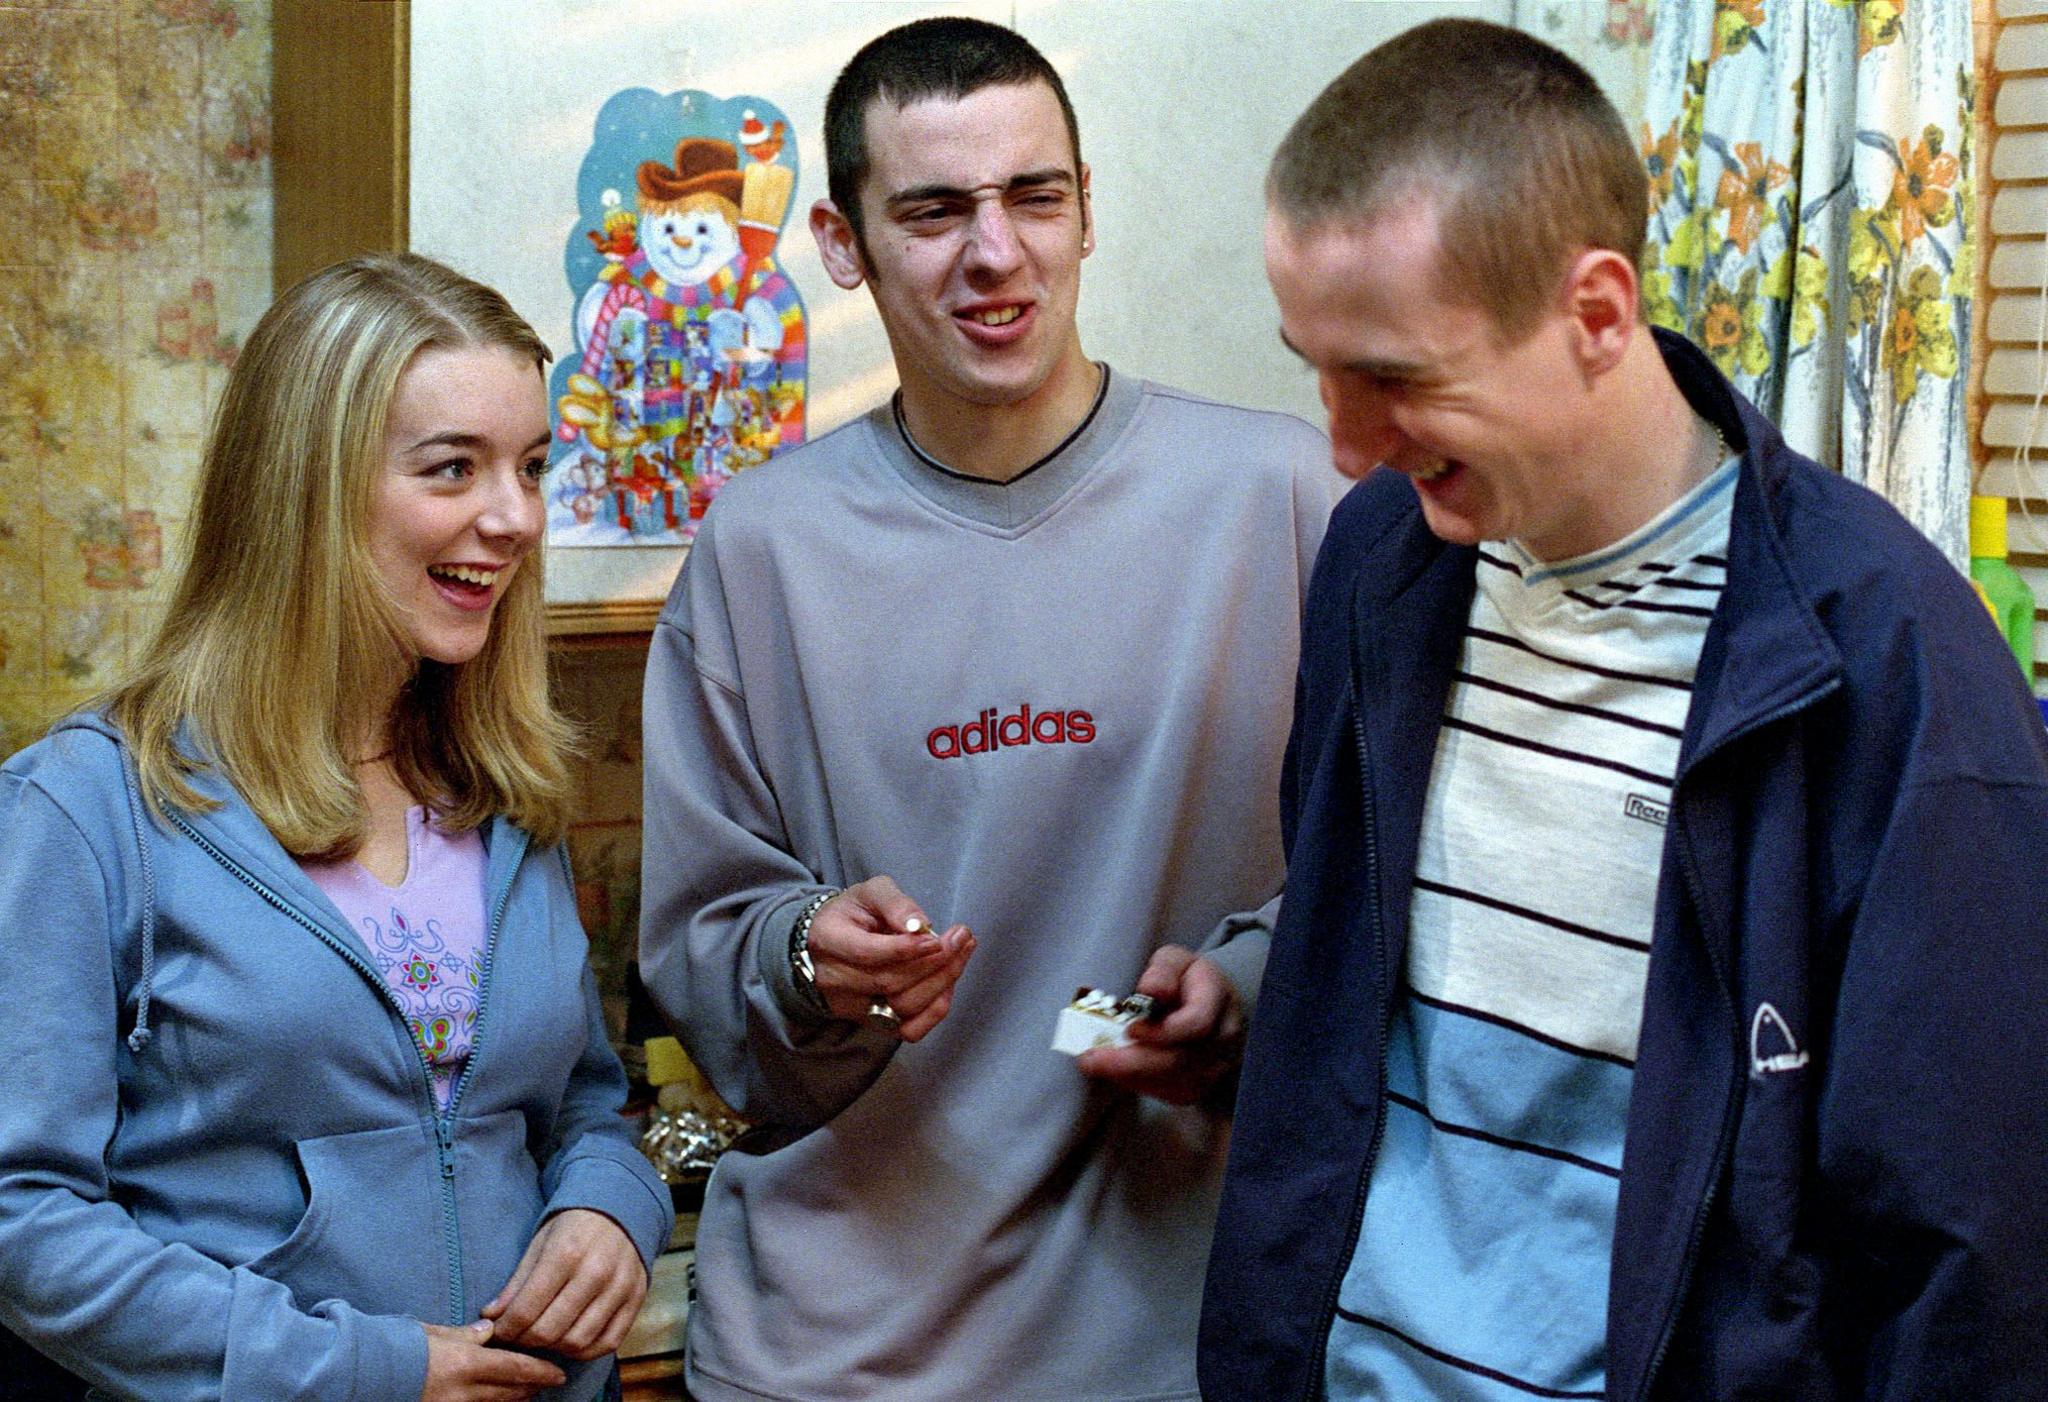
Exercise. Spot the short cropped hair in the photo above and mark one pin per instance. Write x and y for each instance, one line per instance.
(1526, 161)
(280, 627)
(944, 57)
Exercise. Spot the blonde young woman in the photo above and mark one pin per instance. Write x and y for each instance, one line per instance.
(307, 1091)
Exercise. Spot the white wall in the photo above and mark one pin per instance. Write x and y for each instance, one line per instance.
(1180, 103)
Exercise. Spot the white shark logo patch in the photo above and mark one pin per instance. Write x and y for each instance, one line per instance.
(1772, 1047)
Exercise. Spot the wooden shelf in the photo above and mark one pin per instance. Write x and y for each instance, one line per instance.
(604, 623)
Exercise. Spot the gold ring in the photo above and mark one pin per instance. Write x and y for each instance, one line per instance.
(879, 1009)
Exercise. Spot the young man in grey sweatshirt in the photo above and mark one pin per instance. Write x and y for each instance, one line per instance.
(1012, 653)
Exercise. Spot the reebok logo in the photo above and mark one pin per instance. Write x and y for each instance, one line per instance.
(990, 731)
(1647, 810)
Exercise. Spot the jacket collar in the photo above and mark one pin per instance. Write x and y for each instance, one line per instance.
(1765, 653)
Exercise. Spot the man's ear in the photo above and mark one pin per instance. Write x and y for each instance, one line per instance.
(838, 248)
(1087, 215)
(1600, 293)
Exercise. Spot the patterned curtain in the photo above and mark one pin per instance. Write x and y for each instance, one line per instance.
(1811, 226)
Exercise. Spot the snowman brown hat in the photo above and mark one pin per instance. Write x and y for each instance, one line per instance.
(702, 166)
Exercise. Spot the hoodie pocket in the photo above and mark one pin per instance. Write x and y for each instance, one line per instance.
(373, 1232)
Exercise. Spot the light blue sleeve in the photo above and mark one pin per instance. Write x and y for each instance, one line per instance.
(78, 1278)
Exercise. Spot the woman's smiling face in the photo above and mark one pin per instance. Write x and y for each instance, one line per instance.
(457, 503)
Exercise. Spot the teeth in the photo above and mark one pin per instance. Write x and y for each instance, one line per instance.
(465, 573)
(1433, 473)
(1001, 317)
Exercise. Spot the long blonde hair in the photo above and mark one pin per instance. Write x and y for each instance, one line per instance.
(279, 627)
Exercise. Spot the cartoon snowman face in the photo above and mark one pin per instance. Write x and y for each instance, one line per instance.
(691, 239)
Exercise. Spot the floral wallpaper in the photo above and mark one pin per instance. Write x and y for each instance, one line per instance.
(135, 225)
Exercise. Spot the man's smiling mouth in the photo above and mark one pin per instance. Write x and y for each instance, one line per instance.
(995, 316)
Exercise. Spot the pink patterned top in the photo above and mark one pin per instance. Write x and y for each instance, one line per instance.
(426, 936)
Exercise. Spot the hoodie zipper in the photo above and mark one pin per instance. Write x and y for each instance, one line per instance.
(444, 1123)
(476, 1034)
(1328, 1312)
(444, 1132)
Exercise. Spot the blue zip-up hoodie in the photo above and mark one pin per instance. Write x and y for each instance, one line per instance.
(1846, 1196)
(223, 1171)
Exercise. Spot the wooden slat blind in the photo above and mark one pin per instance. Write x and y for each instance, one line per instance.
(2012, 435)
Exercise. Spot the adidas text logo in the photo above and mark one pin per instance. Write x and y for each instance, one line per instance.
(990, 731)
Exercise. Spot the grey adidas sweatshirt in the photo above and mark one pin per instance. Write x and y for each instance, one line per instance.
(1053, 710)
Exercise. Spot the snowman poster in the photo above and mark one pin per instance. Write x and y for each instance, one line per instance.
(690, 348)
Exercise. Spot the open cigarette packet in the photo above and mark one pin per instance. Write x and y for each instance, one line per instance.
(1098, 1019)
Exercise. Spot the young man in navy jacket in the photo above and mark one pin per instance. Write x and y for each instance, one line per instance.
(1657, 1003)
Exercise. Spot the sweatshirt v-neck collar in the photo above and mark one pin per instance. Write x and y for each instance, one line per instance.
(1025, 498)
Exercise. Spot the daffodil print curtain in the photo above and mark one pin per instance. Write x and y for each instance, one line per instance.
(1810, 225)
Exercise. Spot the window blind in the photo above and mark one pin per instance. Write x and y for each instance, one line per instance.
(2013, 379)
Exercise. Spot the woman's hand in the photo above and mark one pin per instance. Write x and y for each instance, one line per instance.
(577, 1290)
(461, 1369)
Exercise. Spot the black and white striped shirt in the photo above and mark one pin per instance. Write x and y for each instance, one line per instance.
(1481, 1268)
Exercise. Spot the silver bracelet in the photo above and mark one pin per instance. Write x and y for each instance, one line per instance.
(802, 972)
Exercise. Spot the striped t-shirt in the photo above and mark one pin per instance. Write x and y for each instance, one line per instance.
(1482, 1261)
